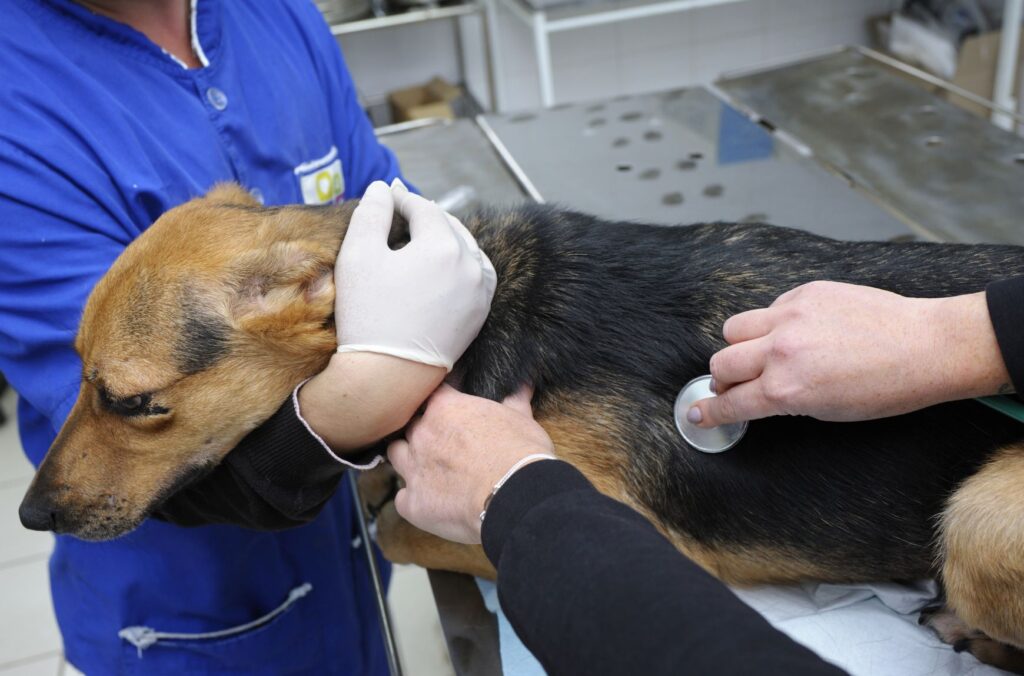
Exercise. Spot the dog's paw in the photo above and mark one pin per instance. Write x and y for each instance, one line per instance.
(963, 638)
(378, 487)
(396, 537)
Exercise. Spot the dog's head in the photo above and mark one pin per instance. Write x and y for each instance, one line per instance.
(195, 335)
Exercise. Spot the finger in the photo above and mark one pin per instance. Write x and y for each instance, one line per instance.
(412, 429)
(425, 218)
(371, 221)
(444, 392)
(398, 456)
(745, 401)
(748, 325)
(464, 235)
(789, 296)
(520, 400)
(739, 363)
(402, 499)
(490, 276)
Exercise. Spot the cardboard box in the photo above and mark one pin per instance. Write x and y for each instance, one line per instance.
(433, 99)
(975, 70)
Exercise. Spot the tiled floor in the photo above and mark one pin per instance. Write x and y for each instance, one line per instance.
(30, 643)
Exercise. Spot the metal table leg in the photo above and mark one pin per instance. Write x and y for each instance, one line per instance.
(542, 44)
(492, 53)
(394, 665)
(1006, 70)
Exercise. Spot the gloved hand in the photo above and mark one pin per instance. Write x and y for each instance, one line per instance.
(424, 302)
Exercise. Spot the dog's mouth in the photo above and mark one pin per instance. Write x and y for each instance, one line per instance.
(112, 515)
(185, 479)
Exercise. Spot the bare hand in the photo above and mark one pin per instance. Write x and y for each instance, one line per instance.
(453, 455)
(844, 352)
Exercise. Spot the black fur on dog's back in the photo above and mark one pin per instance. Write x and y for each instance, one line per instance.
(586, 307)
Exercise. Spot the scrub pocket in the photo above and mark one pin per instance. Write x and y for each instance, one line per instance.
(274, 643)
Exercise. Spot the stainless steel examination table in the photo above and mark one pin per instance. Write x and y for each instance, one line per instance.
(839, 144)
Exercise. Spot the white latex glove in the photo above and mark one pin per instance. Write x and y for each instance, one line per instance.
(424, 302)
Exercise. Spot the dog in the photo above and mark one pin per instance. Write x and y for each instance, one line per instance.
(205, 324)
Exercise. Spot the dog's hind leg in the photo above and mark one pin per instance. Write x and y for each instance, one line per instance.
(982, 550)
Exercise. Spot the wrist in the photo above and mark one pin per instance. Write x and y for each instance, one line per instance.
(361, 397)
(491, 491)
(965, 347)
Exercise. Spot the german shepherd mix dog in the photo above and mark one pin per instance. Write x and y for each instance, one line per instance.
(206, 323)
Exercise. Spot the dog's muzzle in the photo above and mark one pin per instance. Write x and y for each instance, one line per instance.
(38, 513)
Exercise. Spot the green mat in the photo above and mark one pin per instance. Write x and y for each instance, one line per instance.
(1006, 405)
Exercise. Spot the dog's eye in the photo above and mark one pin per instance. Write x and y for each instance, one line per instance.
(132, 403)
(140, 404)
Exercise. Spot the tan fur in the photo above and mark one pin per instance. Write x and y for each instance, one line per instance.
(982, 541)
(266, 276)
(587, 434)
(402, 542)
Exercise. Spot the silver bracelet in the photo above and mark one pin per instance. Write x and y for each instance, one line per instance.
(508, 475)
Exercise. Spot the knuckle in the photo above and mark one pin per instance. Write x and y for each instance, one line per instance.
(780, 393)
(786, 346)
(725, 408)
(402, 502)
(729, 329)
(716, 366)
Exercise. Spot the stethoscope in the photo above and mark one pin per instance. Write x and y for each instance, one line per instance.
(710, 440)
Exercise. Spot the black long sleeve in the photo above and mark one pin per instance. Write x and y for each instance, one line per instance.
(277, 477)
(592, 588)
(1006, 309)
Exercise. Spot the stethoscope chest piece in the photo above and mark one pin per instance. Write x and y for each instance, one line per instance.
(713, 440)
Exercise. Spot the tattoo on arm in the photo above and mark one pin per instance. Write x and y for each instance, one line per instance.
(1006, 388)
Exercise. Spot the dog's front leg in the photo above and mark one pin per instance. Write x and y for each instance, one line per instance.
(401, 542)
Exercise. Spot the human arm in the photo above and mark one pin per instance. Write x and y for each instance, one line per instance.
(403, 317)
(588, 584)
(591, 587)
(844, 352)
(1005, 300)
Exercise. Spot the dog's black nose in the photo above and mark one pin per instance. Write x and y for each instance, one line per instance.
(41, 516)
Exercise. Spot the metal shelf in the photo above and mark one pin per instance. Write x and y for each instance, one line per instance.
(453, 13)
(544, 21)
(406, 18)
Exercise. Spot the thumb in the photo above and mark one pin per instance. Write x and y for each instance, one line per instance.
(519, 400)
(741, 402)
(371, 221)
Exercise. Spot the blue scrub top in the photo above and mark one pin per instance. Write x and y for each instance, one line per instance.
(101, 131)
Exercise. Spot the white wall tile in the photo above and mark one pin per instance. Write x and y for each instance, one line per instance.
(27, 624)
(728, 21)
(383, 60)
(648, 71)
(46, 665)
(16, 542)
(655, 34)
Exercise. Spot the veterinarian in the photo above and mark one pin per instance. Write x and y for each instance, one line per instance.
(589, 585)
(111, 113)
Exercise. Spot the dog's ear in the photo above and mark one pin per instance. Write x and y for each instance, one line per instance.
(231, 193)
(285, 294)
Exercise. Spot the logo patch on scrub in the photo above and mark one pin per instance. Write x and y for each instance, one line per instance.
(321, 181)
